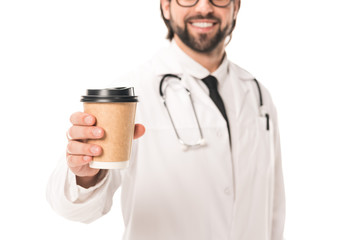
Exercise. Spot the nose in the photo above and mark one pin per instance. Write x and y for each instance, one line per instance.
(204, 7)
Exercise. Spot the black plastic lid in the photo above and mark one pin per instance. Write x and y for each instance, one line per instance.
(121, 94)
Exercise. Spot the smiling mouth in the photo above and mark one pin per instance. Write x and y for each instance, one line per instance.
(202, 24)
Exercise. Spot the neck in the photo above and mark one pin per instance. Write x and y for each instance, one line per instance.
(211, 60)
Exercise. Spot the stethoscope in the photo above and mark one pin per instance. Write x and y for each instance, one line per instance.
(201, 142)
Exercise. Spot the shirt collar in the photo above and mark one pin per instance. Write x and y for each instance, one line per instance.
(195, 69)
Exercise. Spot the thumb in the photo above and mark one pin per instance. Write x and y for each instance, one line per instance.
(139, 131)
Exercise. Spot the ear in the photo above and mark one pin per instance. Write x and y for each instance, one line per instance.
(165, 6)
(237, 8)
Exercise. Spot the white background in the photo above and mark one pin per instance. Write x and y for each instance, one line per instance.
(305, 52)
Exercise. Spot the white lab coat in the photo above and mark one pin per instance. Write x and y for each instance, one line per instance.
(209, 193)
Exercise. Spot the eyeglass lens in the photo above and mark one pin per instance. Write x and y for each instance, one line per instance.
(191, 3)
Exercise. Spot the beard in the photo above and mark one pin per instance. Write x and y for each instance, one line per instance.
(203, 42)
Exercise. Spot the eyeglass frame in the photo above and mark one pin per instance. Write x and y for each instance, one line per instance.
(211, 1)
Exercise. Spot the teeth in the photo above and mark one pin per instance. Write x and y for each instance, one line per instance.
(202, 24)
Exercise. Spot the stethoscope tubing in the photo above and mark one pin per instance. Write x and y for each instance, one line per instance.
(255, 80)
(201, 141)
(261, 105)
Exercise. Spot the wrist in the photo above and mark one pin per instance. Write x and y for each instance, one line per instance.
(88, 181)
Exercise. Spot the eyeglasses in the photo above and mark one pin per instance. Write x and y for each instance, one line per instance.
(216, 3)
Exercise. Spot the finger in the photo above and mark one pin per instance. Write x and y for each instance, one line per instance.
(81, 132)
(84, 171)
(139, 131)
(79, 148)
(77, 161)
(83, 119)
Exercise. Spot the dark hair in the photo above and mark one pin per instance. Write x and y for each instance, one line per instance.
(170, 34)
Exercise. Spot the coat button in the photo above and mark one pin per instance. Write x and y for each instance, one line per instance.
(227, 191)
(219, 133)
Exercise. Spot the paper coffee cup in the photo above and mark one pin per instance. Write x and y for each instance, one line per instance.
(114, 109)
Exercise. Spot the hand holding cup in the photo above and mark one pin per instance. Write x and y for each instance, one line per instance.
(80, 153)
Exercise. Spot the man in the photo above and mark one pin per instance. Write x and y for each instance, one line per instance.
(229, 187)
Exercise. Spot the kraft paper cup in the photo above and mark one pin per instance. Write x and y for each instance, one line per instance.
(114, 110)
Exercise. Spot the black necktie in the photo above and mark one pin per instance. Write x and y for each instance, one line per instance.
(212, 83)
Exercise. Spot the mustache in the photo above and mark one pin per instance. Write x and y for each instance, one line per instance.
(209, 16)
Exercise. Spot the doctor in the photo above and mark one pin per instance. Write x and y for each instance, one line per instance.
(228, 185)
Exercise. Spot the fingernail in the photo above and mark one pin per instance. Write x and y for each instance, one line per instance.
(95, 149)
(87, 158)
(88, 120)
(97, 132)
